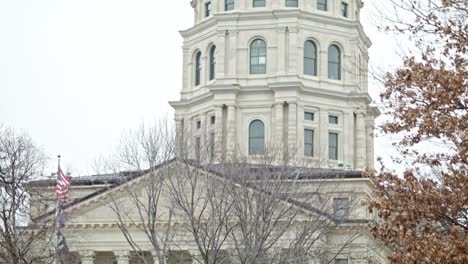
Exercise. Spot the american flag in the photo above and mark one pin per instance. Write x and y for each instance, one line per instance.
(63, 184)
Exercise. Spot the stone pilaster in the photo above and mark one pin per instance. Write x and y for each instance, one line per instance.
(122, 256)
(323, 145)
(179, 135)
(360, 139)
(87, 256)
(231, 132)
(218, 132)
(278, 126)
(370, 144)
(292, 129)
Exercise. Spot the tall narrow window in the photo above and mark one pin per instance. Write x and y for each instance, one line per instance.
(334, 63)
(197, 69)
(208, 9)
(229, 5)
(333, 146)
(256, 137)
(341, 209)
(292, 3)
(308, 143)
(344, 9)
(310, 58)
(258, 3)
(212, 63)
(258, 57)
(322, 5)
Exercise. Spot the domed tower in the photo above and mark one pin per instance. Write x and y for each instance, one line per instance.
(292, 73)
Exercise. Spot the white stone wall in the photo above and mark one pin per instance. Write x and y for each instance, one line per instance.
(245, 97)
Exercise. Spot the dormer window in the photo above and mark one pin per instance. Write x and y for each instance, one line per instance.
(322, 5)
(344, 9)
(229, 5)
(292, 3)
(208, 9)
(258, 3)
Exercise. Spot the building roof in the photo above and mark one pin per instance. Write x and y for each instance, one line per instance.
(228, 170)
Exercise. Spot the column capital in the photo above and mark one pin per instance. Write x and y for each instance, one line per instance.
(360, 112)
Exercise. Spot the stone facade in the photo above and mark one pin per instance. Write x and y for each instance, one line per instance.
(279, 97)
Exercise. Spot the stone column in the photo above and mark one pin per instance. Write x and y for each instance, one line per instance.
(122, 256)
(87, 256)
(278, 132)
(360, 139)
(292, 128)
(370, 144)
(218, 132)
(232, 54)
(323, 144)
(231, 132)
(281, 67)
(179, 136)
(348, 138)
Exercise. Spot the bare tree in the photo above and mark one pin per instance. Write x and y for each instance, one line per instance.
(245, 211)
(21, 241)
(139, 202)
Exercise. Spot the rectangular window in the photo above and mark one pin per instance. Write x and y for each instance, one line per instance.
(341, 261)
(197, 148)
(344, 9)
(341, 209)
(322, 5)
(333, 120)
(258, 3)
(208, 9)
(308, 143)
(212, 120)
(292, 3)
(229, 5)
(309, 116)
(198, 124)
(333, 146)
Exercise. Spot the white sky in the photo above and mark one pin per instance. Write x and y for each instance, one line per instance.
(75, 75)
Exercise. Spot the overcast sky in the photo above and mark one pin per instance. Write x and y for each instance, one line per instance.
(75, 75)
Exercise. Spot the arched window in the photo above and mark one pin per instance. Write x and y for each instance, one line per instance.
(197, 68)
(258, 3)
(310, 58)
(334, 63)
(212, 63)
(256, 137)
(258, 57)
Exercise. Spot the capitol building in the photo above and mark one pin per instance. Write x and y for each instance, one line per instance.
(287, 77)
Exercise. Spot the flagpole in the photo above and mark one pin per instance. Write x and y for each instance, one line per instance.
(57, 210)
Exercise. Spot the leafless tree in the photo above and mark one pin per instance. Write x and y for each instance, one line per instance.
(139, 203)
(21, 241)
(269, 210)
